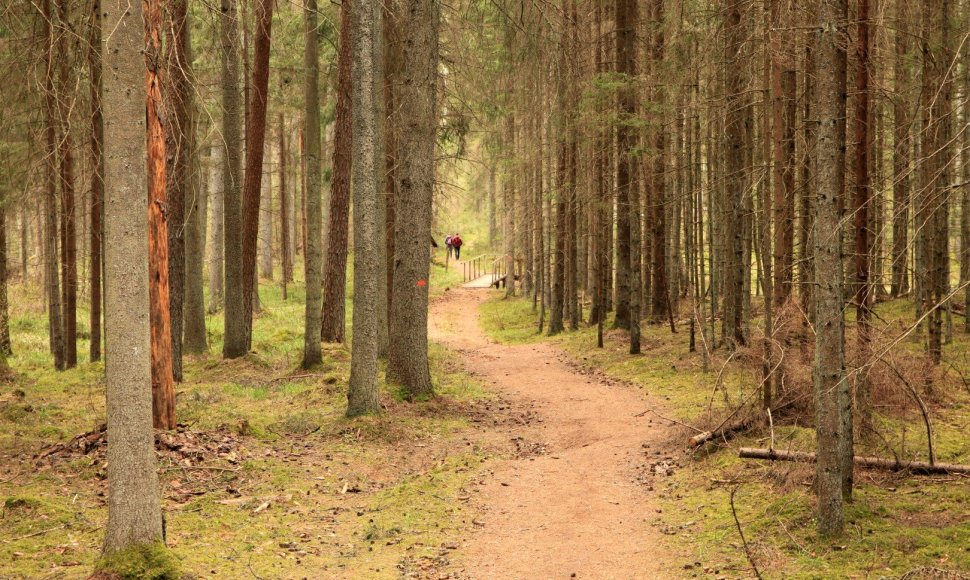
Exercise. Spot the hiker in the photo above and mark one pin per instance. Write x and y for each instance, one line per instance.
(448, 245)
(456, 244)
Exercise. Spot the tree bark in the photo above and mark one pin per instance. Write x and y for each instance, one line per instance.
(97, 179)
(408, 356)
(735, 177)
(362, 395)
(5, 349)
(335, 282)
(237, 310)
(239, 345)
(178, 142)
(861, 208)
(134, 502)
(833, 407)
(68, 211)
(216, 168)
(313, 251)
(195, 336)
(163, 387)
(901, 158)
(51, 276)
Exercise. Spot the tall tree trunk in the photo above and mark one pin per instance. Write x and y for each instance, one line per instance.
(97, 179)
(68, 212)
(134, 502)
(832, 402)
(408, 356)
(237, 309)
(901, 160)
(178, 142)
(264, 239)
(195, 337)
(937, 149)
(286, 255)
(163, 387)
(313, 251)
(735, 177)
(51, 276)
(362, 395)
(660, 303)
(216, 169)
(237, 346)
(783, 107)
(335, 282)
(627, 20)
(5, 349)
(624, 41)
(861, 207)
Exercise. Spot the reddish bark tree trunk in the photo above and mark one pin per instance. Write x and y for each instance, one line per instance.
(163, 387)
(97, 178)
(255, 139)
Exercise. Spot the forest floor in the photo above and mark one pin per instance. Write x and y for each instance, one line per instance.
(576, 500)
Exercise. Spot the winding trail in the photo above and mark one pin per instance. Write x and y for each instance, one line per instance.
(576, 509)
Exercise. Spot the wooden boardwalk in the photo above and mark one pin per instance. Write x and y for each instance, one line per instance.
(483, 282)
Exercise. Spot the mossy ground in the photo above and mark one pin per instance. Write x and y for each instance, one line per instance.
(897, 523)
(303, 491)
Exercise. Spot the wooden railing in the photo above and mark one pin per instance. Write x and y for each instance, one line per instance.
(475, 268)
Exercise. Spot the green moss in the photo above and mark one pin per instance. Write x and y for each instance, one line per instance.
(145, 562)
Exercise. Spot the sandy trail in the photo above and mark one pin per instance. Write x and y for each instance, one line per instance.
(575, 511)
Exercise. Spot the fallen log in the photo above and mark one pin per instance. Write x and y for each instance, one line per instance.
(918, 467)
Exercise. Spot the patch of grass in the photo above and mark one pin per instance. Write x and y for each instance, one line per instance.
(149, 562)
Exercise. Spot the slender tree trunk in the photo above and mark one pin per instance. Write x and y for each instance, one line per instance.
(624, 40)
(362, 395)
(861, 208)
(5, 349)
(660, 303)
(178, 142)
(97, 180)
(831, 387)
(627, 20)
(313, 251)
(783, 106)
(335, 283)
(195, 336)
(901, 160)
(51, 277)
(408, 357)
(134, 502)
(238, 344)
(735, 172)
(68, 211)
(163, 387)
(216, 168)
(286, 254)
(236, 308)
(937, 149)
(265, 238)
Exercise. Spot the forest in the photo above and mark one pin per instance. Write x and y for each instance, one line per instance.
(484, 289)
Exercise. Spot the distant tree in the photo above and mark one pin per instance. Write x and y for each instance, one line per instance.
(313, 257)
(335, 282)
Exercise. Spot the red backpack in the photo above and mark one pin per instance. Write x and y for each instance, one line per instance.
(456, 241)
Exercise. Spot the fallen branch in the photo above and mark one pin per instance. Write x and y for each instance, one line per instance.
(725, 432)
(744, 542)
(917, 467)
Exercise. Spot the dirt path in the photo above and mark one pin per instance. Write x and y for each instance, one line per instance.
(575, 510)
